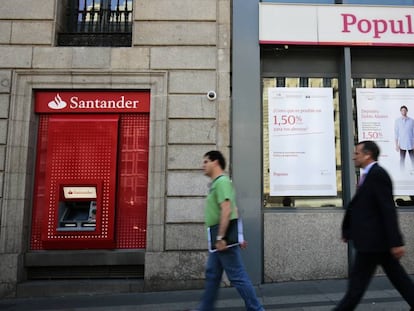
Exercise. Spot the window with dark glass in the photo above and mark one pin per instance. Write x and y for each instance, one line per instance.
(96, 23)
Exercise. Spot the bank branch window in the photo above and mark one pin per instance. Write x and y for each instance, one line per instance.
(382, 111)
(302, 162)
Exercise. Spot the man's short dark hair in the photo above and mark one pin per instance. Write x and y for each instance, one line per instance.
(368, 146)
(214, 155)
(405, 107)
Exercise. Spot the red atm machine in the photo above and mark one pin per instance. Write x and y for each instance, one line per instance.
(91, 170)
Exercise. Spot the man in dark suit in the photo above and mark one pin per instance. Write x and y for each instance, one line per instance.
(371, 223)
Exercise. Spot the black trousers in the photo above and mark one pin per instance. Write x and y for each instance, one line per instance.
(402, 156)
(361, 274)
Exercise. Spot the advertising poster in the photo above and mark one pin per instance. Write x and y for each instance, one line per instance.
(380, 118)
(301, 142)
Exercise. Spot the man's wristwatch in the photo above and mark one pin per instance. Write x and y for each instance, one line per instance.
(219, 238)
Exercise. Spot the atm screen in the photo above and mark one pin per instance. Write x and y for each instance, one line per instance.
(78, 212)
(77, 215)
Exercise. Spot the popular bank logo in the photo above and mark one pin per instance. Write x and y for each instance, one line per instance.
(377, 26)
(57, 103)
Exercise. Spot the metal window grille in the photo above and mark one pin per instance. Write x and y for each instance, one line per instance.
(97, 23)
(97, 16)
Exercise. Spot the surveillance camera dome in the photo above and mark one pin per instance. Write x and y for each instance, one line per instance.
(211, 95)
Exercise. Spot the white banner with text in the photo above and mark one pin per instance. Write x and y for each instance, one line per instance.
(383, 116)
(301, 142)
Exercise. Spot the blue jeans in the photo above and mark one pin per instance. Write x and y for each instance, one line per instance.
(230, 261)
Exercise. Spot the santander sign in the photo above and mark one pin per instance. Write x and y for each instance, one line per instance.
(63, 101)
(336, 24)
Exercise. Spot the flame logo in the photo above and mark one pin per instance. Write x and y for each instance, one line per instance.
(57, 103)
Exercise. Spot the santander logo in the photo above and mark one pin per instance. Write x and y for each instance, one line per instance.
(92, 101)
(57, 103)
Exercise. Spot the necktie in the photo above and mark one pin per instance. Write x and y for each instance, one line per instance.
(361, 179)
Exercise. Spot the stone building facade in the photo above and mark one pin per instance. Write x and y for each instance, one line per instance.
(180, 50)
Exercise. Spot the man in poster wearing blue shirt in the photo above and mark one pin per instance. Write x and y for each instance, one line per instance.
(404, 136)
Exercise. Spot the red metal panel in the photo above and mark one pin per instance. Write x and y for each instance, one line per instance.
(131, 221)
(81, 150)
(39, 188)
(73, 149)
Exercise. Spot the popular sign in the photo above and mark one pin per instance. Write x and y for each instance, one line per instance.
(62, 101)
(336, 25)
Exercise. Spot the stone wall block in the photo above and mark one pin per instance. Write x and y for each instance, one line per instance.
(130, 58)
(28, 9)
(49, 57)
(18, 155)
(295, 252)
(406, 219)
(172, 270)
(187, 156)
(17, 185)
(15, 57)
(2, 157)
(223, 92)
(174, 33)
(11, 237)
(4, 105)
(192, 81)
(224, 9)
(5, 80)
(5, 32)
(155, 240)
(175, 10)
(159, 110)
(156, 215)
(1, 183)
(181, 210)
(98, 81)
(3, 131)
(157, 133)
(187, 183)
(186, 57)
(95, 57)
(32, 32)
(192, 131)
(185, 237)
(8, 267)
(20, 135)
(224, 37)
(191, 106)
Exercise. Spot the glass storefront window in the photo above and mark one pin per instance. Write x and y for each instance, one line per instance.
(290, 118)
(376, 104)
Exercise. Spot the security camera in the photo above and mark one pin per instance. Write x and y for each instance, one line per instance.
(211, 95)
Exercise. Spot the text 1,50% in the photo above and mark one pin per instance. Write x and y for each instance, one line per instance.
(286, 119)
(371, 135)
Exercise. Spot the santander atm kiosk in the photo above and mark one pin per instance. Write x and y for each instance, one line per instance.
(91, 170)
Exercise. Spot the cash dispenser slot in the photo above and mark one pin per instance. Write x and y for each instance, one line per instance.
(77, 209)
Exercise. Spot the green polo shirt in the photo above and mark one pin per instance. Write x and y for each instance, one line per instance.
(221, 189)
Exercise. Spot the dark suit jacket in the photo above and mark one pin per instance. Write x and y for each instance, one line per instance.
(371, 218)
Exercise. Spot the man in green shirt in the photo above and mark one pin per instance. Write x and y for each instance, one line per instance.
(220, 209)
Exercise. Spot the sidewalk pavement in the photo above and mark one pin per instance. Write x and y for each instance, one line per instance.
(320, 295)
